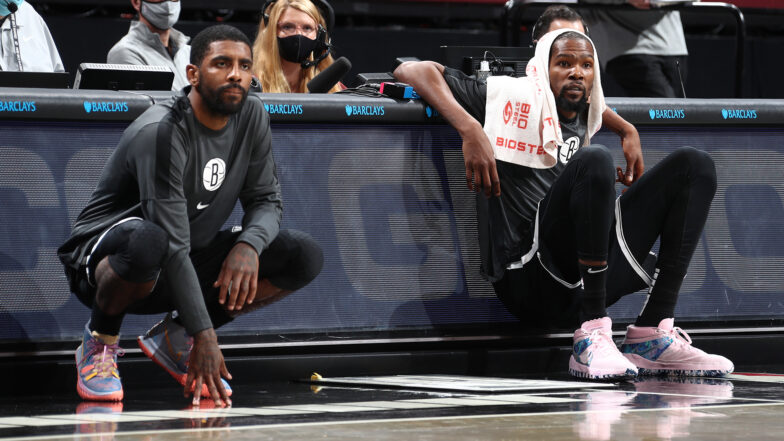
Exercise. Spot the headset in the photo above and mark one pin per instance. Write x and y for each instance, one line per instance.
(325, 8)
(325, 45)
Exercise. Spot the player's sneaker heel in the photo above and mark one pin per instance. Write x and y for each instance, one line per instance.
(169, 346)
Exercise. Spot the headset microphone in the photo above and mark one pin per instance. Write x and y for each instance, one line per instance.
(323, 49)
(330, 76)
(11, 6)
(680, 78)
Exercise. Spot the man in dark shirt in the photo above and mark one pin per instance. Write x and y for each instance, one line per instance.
(150, 239)
(556, 243)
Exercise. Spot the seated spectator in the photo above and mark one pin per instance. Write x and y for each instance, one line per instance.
(291, 47)
(25, 42)
(152, 41)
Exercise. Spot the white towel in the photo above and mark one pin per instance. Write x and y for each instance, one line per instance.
(521, 119)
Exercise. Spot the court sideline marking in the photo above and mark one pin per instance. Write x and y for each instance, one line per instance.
(392, 420)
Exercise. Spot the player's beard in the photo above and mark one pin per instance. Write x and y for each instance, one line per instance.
(216, 104)
(566, 105)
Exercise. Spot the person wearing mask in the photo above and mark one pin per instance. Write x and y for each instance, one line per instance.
(152, 41)
(25, 41)
(292, 46)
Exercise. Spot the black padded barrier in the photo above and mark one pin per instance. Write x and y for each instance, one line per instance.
(380, 184)
(80, 105)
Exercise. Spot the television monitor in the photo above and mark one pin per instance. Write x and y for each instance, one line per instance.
(44, 80)
(123, 77)
(511, 61)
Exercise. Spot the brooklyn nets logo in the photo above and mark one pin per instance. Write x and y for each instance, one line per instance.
(213, 175)
(568, 149)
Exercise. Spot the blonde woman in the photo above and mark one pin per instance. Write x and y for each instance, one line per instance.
(291, 47)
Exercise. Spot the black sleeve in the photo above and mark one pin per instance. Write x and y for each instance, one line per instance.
(260, 197)
(468, 91)
(157, 157)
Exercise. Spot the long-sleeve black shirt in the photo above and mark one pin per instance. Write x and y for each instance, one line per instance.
(505, 225)
(170, 169)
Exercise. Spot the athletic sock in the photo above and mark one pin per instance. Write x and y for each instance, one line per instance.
(594, 299)
(104, 323)
(662, 297)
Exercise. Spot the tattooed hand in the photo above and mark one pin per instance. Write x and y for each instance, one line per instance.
(205, 367)
(238, 278)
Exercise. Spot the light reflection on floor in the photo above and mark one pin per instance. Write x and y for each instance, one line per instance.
(647, 409)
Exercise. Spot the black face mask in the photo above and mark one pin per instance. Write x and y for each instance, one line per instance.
(296, 48)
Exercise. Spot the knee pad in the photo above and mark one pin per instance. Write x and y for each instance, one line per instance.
(597, 163)
(310, 257)
(313, 257)
(148, 245)
(304, 261)
(597, 155)
(696, 158)
(144, 253)
(700, 164)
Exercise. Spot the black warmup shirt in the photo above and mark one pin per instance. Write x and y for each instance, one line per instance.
(505, 222)
(170, 169)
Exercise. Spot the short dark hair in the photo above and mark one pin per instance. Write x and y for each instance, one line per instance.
(200, 44)
(552, 13)
(569, 35)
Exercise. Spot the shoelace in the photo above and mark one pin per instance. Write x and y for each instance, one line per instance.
(677, 334)
(102, 357)
(594, 337)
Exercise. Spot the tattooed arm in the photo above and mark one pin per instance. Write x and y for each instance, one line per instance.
(238, 278)
(206, 366)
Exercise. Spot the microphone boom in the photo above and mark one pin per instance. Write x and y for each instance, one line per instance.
(330, 76)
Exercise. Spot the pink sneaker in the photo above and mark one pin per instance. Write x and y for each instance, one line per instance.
(667, 350)
(594, 354)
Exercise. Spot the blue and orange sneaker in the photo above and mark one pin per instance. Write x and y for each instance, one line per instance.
(667, 350)
(594, 354)
(98, 418)
(169, 346)
(96, 367)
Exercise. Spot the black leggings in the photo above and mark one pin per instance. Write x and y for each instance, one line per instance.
(290, 262)
(577, 220)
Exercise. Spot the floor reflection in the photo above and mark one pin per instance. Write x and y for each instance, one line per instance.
(649, 408)
(207, 422)
(101, 426)
(607, 415)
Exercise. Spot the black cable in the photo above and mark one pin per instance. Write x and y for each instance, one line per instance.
(496, 65)
(366, 90)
